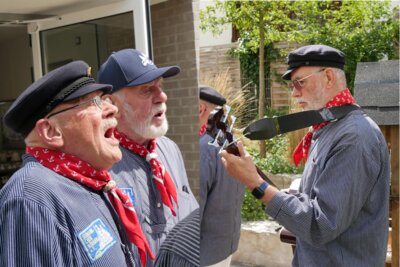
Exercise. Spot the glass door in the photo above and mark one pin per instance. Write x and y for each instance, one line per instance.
(90, 35)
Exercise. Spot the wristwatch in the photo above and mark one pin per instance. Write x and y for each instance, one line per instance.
(258, 192)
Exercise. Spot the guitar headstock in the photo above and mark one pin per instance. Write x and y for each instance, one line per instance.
(220, 125)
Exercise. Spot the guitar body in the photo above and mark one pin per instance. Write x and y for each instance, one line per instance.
(287, 237)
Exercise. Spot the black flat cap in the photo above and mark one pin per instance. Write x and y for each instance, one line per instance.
(314, 55)
(211, 95)
(60, 85)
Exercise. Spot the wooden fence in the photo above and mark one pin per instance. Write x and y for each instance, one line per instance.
(391, 133)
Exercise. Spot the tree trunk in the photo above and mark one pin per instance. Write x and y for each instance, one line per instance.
(261, 95)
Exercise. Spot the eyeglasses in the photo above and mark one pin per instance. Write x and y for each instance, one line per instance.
(299, 83)
(96, 100)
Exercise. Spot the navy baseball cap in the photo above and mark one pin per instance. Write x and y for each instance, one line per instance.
(314, 55)
(63, 84)
(211, 95)
(130, 67)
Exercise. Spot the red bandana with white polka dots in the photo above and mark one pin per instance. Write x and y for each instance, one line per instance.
(161, 177)
(301, 151)
(78, 170)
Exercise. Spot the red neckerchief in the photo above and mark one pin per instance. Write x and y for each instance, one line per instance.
(301, 151)
(75, 169)
(161, 177)
(203, 129)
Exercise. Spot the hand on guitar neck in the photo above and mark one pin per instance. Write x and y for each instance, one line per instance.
(220, 126)
(233, 149)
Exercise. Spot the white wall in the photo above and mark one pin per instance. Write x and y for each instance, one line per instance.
(207, 38)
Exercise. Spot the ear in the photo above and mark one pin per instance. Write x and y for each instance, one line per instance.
(202, 109)
(330, 78)
(49, 133)
(202, 113)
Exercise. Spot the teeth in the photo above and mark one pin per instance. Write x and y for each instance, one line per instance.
(109, 123)
(159, 109)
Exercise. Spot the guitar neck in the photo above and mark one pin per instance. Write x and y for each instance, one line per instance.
(233, 149)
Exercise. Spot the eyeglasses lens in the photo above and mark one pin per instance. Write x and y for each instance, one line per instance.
(295, 84)
(97, 100)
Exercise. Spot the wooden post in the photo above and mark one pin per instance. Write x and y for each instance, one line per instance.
(391, 134)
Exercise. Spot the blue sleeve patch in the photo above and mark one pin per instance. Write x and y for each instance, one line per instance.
(96, 239)
(131, 195)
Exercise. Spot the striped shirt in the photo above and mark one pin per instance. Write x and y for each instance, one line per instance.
(340, 215)
(221, 198)
(49, 220)
(133, 174)
(181, 248)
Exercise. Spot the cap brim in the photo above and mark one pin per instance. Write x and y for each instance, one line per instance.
(287, 74)
(151, 75)
(87, 89)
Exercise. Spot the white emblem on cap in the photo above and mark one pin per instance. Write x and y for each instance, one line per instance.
(145, 60)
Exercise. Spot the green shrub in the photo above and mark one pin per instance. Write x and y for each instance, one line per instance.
(252, 208)
(275, 162)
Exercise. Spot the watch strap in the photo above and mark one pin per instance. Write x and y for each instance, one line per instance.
(258, 192)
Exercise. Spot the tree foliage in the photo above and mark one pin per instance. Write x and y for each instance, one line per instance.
(366, 31)
(363, 30)
(275, 17)
(263, 22)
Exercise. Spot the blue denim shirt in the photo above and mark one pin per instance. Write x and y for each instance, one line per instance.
(221, 198)
(133, 174)
(49, 220)
(340, 215)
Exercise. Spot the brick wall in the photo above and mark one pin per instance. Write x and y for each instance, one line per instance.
(280, 93)
(281, 98)
(173, 34)
(215, 60)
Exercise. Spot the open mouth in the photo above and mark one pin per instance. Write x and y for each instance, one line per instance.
(109, 128)
(159, 114)
(109, 133)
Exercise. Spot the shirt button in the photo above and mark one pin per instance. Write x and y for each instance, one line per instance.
(158, 205)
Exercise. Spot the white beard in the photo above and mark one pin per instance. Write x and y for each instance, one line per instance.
(317, 101)
(144, 128)
(148, 131)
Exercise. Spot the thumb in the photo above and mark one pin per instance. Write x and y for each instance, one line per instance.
(242, 152)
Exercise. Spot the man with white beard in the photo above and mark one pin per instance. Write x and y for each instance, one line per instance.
(151, 171)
